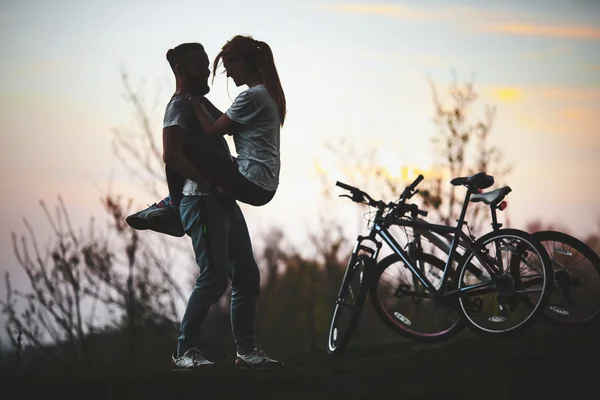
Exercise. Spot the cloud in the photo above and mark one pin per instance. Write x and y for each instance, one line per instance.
(575, 124)
(580, 135)
(402, 12)
(508, 94)
(572, 32)
(412, 13)
(420, 60)
(593, 68)
(546, 55)
(494, 21)
(40, 68)
(568, 94)
(577, 114)
(513, 94)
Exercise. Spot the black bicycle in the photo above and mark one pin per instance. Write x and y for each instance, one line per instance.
(575, 298)
(491, 269)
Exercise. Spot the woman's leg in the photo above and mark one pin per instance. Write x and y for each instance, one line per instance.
(223, 171)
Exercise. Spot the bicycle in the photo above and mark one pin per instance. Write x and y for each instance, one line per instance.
(363, 273)
(575, 298)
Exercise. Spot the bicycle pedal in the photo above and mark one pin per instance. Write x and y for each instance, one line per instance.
(444, 307)
(509, 301)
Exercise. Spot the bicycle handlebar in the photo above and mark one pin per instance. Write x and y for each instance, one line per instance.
(347, 187)
(415, 183)
(359, 196)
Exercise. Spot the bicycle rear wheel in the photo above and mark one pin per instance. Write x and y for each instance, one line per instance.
(575, 298)
(348, 305)
(505, 282)
(403, 306)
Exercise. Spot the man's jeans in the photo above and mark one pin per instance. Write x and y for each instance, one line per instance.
(223, 251)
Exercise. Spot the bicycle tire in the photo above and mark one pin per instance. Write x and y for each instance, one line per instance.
(401, 324)
(336, 341)
(563, 280)
(543, 298)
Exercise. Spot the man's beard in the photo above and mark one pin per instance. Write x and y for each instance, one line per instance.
(197, 86)
(201, 88)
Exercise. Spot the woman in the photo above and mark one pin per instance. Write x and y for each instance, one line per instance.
(254, 119)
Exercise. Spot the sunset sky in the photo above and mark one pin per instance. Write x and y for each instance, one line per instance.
(357, 70)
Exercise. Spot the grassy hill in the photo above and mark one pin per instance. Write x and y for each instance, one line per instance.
(543, 363)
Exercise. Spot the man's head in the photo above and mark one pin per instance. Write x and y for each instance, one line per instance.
(190, 65)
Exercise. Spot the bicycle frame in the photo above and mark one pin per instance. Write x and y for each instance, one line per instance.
(379, 230)
(443, 241)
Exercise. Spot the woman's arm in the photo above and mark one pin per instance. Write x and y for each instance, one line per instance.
(214, 112)
(221, 126)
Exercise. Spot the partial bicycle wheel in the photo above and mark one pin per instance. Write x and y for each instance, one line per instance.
(506, 282)
(403, 305)
(575, 298)
(348, 305)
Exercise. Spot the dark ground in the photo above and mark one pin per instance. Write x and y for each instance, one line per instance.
(543, 363)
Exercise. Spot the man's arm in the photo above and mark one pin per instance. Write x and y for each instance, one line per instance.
(173, 141)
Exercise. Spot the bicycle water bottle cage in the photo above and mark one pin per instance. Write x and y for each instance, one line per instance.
(479, 180)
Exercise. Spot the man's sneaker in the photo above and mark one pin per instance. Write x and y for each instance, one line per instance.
(256, 359)
(160, 217)
(189, 361)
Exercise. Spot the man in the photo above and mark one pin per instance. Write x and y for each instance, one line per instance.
(214, 222)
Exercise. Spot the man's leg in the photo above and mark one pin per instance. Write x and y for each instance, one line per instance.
(206, 222)
(245, 287)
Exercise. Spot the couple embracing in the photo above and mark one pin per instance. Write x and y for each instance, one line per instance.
(205, 182)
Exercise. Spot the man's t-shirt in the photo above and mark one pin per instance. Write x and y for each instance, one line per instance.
(179, 112)
(257, 143)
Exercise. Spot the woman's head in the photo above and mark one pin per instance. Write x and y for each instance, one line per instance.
(248, 61)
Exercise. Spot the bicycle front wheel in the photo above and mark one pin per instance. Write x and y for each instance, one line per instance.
(505, 282)
(575, 298)
(407, 307)
(348, 305)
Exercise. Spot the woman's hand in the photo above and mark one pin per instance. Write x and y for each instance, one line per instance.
(193, 98)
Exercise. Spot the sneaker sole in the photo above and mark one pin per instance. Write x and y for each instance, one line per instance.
(137, 223)
(194, 368)
(142, 224)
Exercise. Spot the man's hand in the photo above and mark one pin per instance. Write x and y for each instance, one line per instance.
(173, 142)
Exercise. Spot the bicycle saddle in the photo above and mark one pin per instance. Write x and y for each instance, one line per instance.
(494, 197)
(479, 180)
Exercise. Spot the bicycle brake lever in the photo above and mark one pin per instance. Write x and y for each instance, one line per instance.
(358, 197)
(345, 195)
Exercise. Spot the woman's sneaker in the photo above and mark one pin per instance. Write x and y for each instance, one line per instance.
(189, 361)
(256, 359)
